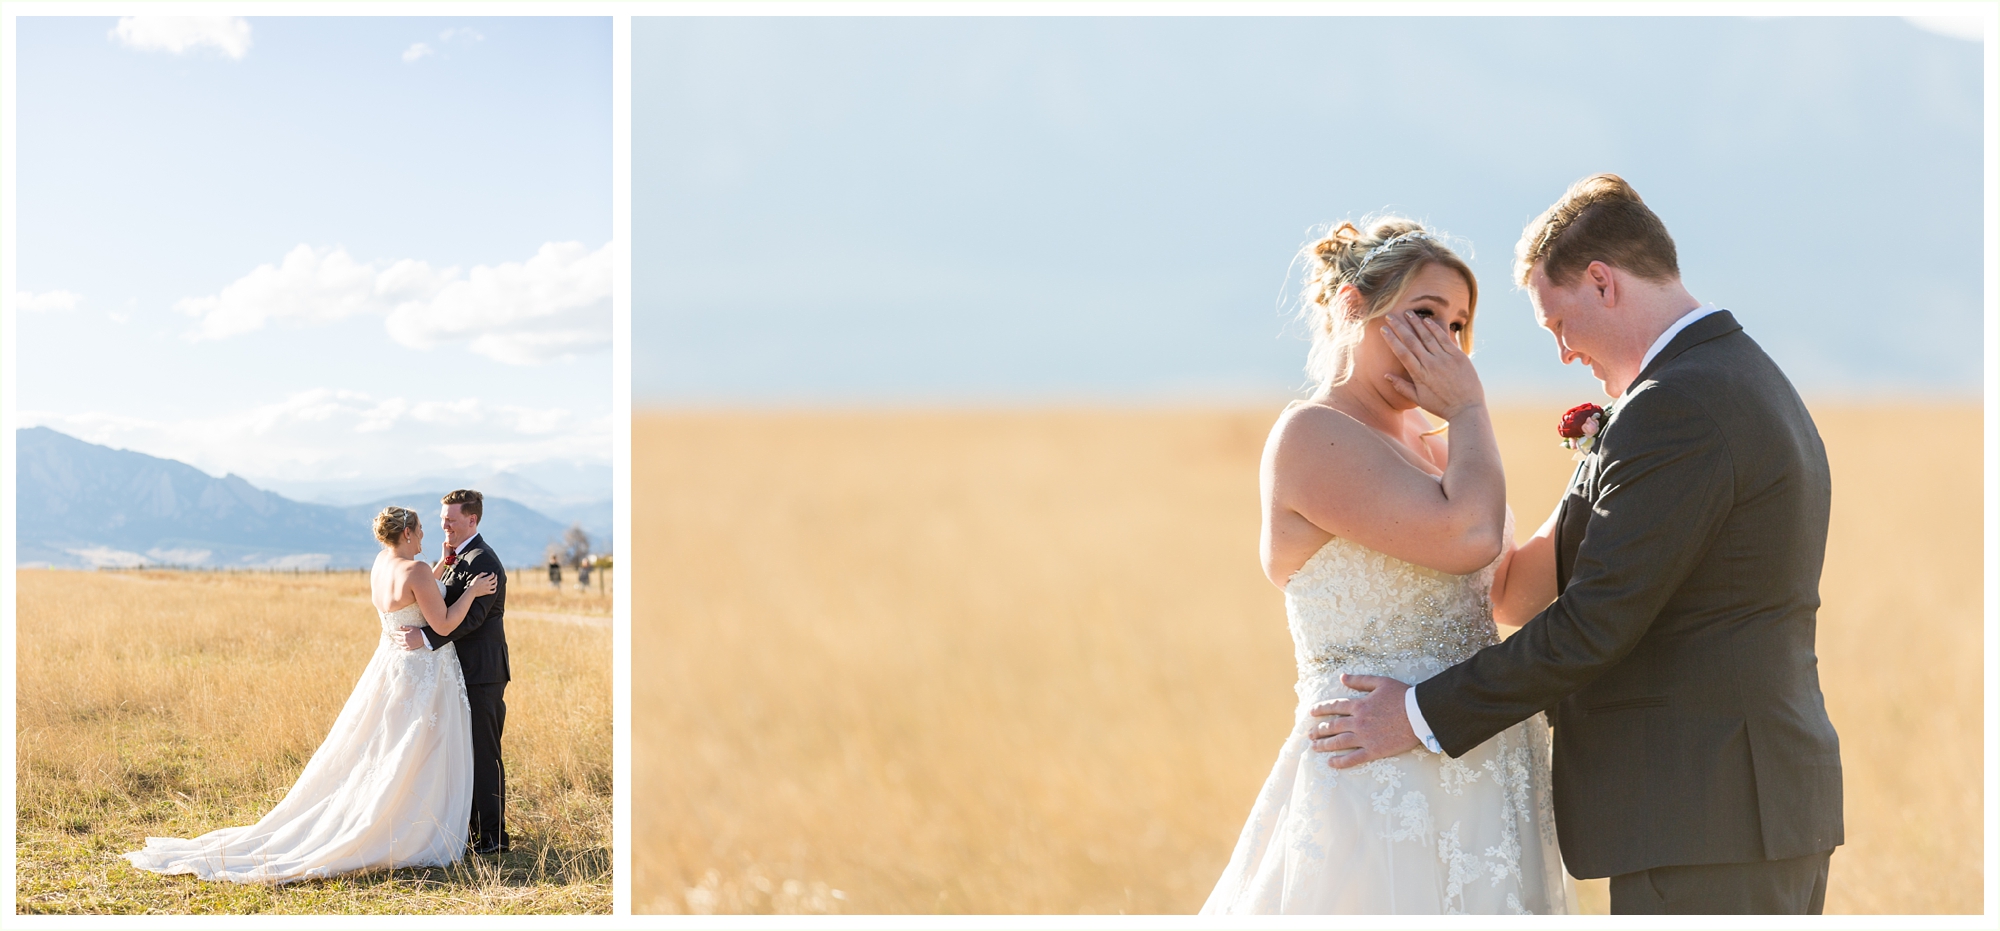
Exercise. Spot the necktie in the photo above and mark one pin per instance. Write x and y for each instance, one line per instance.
(450, 554)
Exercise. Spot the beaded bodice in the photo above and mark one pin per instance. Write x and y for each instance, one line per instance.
(1355, 610)
(409, 615)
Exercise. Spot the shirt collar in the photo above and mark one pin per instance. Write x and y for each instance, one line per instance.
(1675, 330)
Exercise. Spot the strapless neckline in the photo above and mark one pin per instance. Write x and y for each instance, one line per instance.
(409, 615)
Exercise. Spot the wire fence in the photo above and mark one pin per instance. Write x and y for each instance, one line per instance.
(600, 578)
(273, 570)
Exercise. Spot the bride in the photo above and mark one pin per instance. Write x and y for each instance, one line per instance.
(392, 784)
(1391, 546)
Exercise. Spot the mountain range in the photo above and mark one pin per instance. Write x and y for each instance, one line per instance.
(591, 511)
(84, 505)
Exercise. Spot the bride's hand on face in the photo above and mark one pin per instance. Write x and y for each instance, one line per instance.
(1441, 377)
(486, 583)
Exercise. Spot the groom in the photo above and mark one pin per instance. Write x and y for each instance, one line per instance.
(1694, 763)
(482, 653)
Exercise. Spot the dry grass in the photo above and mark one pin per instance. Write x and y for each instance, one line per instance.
(1026, 662)
(168, 703)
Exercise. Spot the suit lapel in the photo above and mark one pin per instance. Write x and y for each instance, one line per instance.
(1573, 515)
(1583, 488)
(461, 571)
(473, 544)
(1720, 323)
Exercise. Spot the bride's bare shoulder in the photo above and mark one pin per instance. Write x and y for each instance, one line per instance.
(1314, 432)
(397, 569)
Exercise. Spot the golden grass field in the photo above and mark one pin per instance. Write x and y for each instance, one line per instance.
(174, 703)
(1027, 662)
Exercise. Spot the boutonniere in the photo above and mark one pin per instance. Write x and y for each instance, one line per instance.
(1579, 429)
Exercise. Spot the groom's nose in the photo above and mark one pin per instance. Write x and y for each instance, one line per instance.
(1568, 355)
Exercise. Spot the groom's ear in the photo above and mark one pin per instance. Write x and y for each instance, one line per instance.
(1604, 279)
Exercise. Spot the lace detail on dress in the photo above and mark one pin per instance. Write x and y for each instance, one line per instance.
(1510, 772)
(1376, 839)
(409, 615)
(1458, 870)
(1454, 776)
(420, 667)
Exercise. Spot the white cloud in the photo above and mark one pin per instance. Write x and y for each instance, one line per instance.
(179, 556)
(293, 561)
(178, 35)
(552, 306)
(308, 286)
(1969, 28)
(530, 421)
(47, 301)
(417, 51)
(103, 556)
(555, 305)
(325, 434)
(461, 34)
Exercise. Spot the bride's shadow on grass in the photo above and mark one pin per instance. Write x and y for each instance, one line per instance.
(529, 878)
(526, 865)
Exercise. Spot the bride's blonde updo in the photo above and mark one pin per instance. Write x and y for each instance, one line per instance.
(1379, 262)
(390, 524)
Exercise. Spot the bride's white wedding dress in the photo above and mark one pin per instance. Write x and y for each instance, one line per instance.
(1418, 833)
(390, 787)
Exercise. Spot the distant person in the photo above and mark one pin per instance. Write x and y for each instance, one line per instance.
(393, 784)
(555, 573)
(583, 576)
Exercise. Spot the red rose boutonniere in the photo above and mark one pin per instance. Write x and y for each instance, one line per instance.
(1579, 428)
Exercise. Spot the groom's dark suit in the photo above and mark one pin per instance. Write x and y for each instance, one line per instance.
(482, 653)
(1677, 665)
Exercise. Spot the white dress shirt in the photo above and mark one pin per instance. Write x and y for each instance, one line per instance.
(462, 547)
(440, 582)
(1675, 330)
(1417, 723)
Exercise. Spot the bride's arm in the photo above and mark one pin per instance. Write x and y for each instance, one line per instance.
(418, 577)
(438, 569)
(1526, 580)
(442, 620)
(481, 585)
(1346, 480)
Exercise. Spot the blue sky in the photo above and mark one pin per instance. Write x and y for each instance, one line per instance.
(315, 250)
(896, 211)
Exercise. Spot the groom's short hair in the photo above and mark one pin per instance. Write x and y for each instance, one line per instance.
(468, 501)
(1599, 219)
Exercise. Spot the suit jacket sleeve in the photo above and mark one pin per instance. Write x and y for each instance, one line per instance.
(1662, 496)
(475, 615)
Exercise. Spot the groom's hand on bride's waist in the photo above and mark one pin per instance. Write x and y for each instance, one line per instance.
(413, 638)
(1371, 727)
